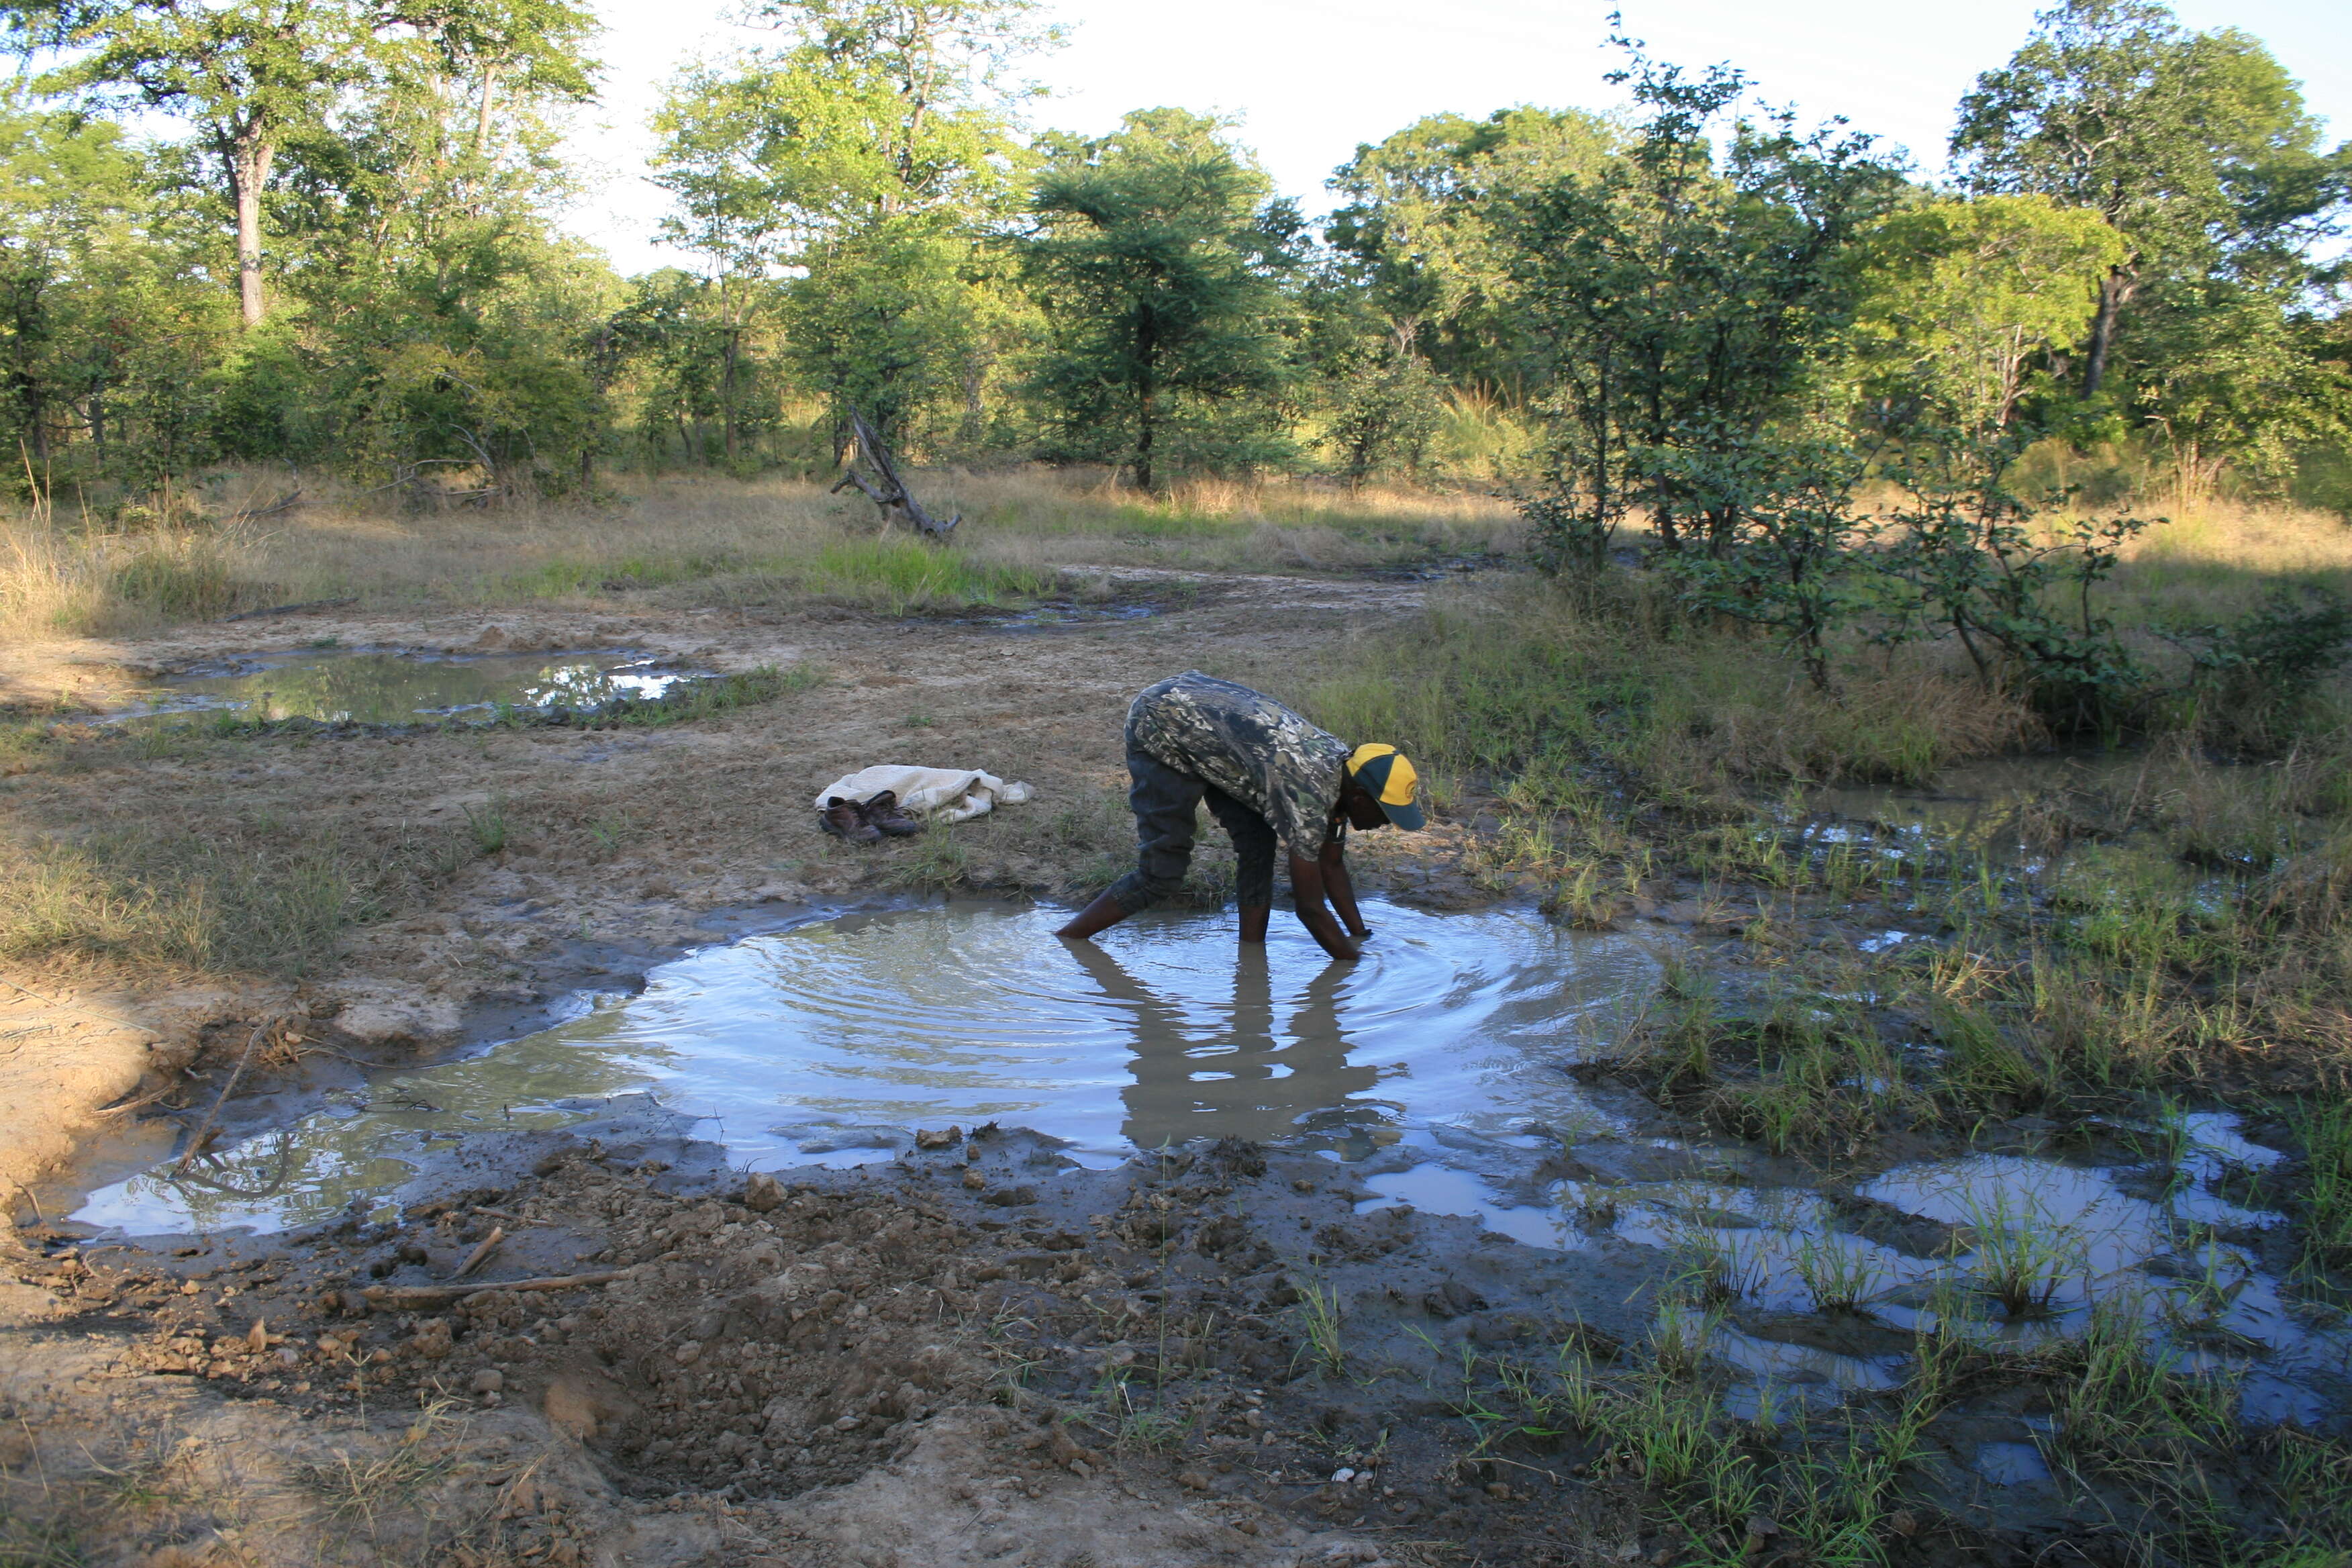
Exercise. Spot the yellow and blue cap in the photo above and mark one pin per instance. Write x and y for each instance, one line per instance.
(1388, 778)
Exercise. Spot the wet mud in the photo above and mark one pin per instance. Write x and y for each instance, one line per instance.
(979, 1350)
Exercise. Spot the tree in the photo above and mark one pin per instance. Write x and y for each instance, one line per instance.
(875, 154)
(109, 333)
(1960, 295)
(925, 78)
(1681, 311)
(2228, 373)
(728, 141)
(2192, 146)
(1161, 265)
(59, 183)
(534, 48)
(1419, 229)
(246, 74)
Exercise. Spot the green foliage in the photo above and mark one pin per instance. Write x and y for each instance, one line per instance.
(2270, 662)
(1791, 561)
(1972, 565)
(1678, 311)
(1384, 413)
(873, 155)
(1423, 234)
(1961, 296)
(2193, 147)
(1671, 316)
(1160, 266)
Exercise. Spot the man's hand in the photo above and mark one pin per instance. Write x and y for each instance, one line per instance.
(1306, 882)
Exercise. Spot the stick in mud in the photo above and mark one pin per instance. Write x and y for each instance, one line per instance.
(436, 1295)
(196, 1142)
(474, 1260)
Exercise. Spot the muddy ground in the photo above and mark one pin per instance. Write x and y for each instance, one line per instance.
(136, 1439)
(976, 1352)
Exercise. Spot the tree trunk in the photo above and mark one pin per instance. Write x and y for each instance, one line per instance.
(884, 487)
(1144, 413)
(2115, 290)
(1147, 395)
(726, 393)
(249, 156)
(482, 116)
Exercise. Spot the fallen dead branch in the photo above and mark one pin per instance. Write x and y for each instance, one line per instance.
(286, 502)
(884, 487)
(293, 609)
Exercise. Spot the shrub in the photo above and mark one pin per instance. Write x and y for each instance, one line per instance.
(2265, 666)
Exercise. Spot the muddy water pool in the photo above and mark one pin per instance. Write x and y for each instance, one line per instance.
(830, 1041)
(375, 686)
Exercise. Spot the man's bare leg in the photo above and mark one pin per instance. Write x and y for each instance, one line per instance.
(1100, 915)
(1253, 920)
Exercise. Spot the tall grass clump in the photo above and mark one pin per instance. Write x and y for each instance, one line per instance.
(2325, 1128)
(57, 582)
(1603, 675)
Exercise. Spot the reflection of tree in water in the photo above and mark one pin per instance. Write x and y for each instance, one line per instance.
(227, 1185)
(1257, 1082)
(382, 688)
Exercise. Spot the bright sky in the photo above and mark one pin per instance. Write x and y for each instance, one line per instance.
(1309, 79)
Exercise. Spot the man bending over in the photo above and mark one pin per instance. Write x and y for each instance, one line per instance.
(1269, 777)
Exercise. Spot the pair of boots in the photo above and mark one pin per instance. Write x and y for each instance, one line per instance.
(865, 821)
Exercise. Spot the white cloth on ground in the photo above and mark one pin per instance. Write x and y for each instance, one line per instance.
(952, 794)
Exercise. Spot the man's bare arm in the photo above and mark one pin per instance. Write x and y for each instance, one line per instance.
(1306, 882)
(1333, 863)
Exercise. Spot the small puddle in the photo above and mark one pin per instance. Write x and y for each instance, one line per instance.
(373, 687)
(1977, 806)
(829, 1042)
(2055, 820)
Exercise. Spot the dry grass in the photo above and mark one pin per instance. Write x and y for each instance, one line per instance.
(712, 540)
(1521, 676)
(2215, 563)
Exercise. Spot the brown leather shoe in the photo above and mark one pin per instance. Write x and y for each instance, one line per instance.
(844, 819)
(882, 813)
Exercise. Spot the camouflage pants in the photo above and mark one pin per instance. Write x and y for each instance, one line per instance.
(1166, 803)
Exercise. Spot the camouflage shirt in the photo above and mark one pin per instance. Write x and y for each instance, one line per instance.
(1248, 745)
